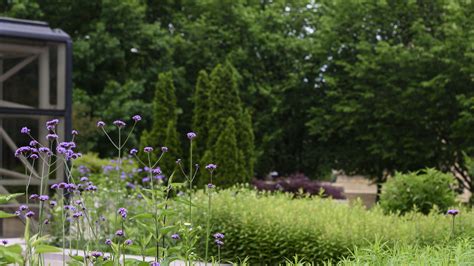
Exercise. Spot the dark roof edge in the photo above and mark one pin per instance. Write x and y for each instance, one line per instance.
(24, 21)
(60, 35)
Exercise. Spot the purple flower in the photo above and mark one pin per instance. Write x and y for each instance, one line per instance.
(130, 185)
(96, 254)
(101, 124)
(122, 212)
(157, 171)
(34, 156)
(191, 135)
(78, 202)
(136, 118)
(84, 179)
(52, 122)
(128, 242)
(119, 233)
(119, 123)
(44, 150)
(46, 221)
(34, 196)
(175, 236)
(25, 130)
(43, 197)
(218, 236)
(50, 128)
(51, 136)
(133, 151)
(219, 243)
(22, 151)
(453, 212)
(145, 179)
(164, 149)
(154, 263)
(148, 149)
(69, 207)
(30, 214)
(17, 213)
(4, 242)
(33, 143)
(54, 186)
(53, 203)
(74, 132)
(211, 167)
(77, 215)
(210, 185)
(108, 242)
(23, 208)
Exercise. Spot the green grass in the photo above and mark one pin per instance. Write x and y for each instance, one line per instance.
(269, 228)
(459, 252)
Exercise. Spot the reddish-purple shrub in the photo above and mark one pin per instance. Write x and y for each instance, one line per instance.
(299, 182)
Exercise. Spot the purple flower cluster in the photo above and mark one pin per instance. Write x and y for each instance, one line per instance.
(219, 239)
(136, 118)
(119, 233)
(453, 212)
(4, 242)
(123, 213)
(22, 209)
(67, 149)
(191, 135)
(25, 130)
(128, 242)
(148, 149)
(77, 215)
(175, 236)
(119, 123)
(96, 254)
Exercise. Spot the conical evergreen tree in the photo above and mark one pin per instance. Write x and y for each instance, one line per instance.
(228, 157)
(168, 162)
(225, 101)
(201, 100)
(164, 112)
(246, 143)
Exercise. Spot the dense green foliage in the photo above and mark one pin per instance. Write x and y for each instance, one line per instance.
(460, 252)
(226, 126)
(419, 191)
(369, 87)
(269, 228)
(228, 157)
(163, 132)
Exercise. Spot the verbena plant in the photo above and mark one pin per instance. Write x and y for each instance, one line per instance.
(85, 224)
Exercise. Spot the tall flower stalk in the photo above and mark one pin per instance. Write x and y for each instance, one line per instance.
(210, 187)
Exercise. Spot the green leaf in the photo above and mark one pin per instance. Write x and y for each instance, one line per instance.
(165, 230)
(77, 258)
(6, 215)
(142, 216)
(46, 249)
(6, 198)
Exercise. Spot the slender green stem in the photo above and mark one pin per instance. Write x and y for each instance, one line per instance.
(190, 180)
(453, 226)
(208, 223)
(63, 227)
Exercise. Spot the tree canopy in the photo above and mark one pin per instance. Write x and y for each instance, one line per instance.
(365, 86)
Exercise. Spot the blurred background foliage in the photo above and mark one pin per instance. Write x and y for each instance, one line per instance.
(369, 87)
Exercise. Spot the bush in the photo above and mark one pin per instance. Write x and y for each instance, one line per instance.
(267, 228)
(298, 183)
(420, 191)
